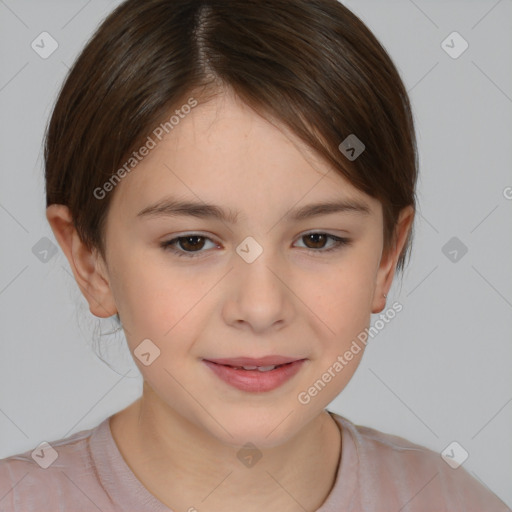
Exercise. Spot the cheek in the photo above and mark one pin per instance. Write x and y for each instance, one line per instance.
(342, 299)
(153, 300)
(342, 293)
(162, 301)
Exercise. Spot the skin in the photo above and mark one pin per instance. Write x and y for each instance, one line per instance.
(182, 436)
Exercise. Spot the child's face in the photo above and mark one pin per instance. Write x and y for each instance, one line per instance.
(289, 301)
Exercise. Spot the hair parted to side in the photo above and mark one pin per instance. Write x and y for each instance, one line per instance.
(311, 64)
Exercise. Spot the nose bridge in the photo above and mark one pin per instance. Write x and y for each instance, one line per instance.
(259, 296)
(255, 261)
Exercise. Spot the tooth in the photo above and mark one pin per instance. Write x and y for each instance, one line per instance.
(266, 368)
(249, 367)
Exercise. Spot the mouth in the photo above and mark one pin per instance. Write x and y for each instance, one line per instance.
(253, 363)
(255, 375)
(259, 368)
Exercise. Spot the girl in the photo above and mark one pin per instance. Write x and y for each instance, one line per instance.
(235, 180)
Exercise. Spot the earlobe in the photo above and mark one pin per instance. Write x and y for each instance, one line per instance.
(386, 271)
(86, 264)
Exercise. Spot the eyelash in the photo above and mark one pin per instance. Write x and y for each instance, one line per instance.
(168, 245)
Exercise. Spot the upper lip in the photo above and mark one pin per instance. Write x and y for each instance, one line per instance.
(260, 361)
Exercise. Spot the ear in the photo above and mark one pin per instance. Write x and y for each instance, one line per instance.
(87, 265)
(388, 262)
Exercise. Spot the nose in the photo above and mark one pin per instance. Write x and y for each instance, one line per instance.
(259, 294)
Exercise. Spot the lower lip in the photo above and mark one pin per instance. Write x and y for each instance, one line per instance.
(254, 380)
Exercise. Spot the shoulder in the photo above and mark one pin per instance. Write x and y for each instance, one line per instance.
(46, 472)
(405, 472)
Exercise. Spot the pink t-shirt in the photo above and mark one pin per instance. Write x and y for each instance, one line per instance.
(378, 472)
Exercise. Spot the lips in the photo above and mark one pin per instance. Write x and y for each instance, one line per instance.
(255, 374)
(255, 362)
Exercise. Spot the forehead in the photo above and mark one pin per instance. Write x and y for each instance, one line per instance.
(224, 152)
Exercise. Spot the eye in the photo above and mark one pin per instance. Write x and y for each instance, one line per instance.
(191, 244)
(319, 238)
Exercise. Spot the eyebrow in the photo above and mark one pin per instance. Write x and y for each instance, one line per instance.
(170, 207)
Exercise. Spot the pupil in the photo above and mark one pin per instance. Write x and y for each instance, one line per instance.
(190, 240)
(316, 235)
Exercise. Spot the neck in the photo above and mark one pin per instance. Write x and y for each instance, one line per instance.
(186, 468)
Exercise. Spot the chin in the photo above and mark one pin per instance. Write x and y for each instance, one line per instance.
(264, 429)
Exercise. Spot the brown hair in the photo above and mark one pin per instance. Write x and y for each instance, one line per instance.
(311, 64)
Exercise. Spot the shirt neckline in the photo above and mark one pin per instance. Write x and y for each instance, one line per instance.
(118, 480)
(128, 493)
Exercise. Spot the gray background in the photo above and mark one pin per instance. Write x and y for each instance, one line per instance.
(439, 372)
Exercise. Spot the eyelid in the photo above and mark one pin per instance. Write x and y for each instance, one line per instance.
(167, 245)
(339, 243)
